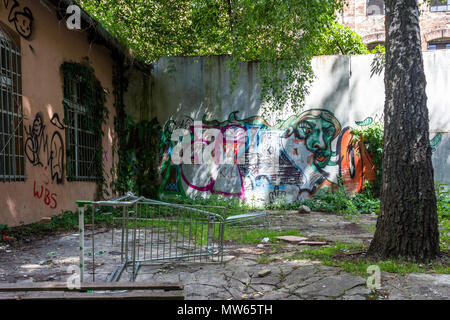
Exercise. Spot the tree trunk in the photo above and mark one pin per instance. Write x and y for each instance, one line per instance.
(407, 226)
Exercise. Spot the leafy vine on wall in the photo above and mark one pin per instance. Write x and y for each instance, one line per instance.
(137, 145)
(93, 96)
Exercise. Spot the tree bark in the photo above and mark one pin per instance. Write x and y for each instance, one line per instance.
(407, 226)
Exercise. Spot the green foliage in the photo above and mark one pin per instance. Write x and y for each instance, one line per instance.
(281, 35)
(64, 222)
(359, 266)
(4, 229)
(334, 250)
(379, 49)
(256, 235)
(335, 202)
(265, 259)
(137, 145)
(443, 208)
(222, 205)
(140, 156)
(339, 39)
(372, 136)
(120, 169)
(345, 256)
(93, 97)
(378, 62)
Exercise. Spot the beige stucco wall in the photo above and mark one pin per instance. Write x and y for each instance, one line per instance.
(50, 44)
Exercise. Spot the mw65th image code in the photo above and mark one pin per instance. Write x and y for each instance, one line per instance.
(258, 309)
(230, 309)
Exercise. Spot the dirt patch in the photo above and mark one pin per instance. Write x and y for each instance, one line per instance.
(353, 228)
(325, 226)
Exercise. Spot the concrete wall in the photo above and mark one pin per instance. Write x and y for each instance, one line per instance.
(50, 44)
(343, 95)
(137, 97)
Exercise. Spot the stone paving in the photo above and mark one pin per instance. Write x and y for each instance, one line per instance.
(242, 278)
(244, 274)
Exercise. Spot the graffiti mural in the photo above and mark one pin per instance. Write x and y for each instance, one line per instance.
(436, 141)
(51, 145)
(291, 160)
(21, 17)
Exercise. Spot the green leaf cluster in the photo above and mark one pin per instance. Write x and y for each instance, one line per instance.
(93, 97)
(443, 208)
(336, 201)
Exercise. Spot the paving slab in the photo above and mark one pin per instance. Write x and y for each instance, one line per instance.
(333, 286)
(418, 286)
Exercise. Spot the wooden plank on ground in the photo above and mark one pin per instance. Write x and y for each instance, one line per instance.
(62, 286)
(140, 295)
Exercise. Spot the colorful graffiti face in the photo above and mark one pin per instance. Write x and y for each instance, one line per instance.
(318, 128)
(291, 160)
(317, 134)
(355, 164)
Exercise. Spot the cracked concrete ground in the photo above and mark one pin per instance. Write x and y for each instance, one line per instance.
(242, 275)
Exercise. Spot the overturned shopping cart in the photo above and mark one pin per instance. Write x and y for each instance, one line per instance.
(150, 231)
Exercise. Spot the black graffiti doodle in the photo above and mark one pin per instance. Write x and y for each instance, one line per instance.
(276, 194)
(56, 122)
(56, 158)
(22, 19)
(37, 141)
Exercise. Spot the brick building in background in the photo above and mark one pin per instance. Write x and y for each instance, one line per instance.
(366, 17)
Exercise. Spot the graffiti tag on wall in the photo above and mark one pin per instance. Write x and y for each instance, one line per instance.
(50, 145)
(21, 17)
(291, 160)
(42, 192)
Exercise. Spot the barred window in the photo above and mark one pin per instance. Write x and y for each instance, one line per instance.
(12, 152)
(81, 140)
(440, 5)
(375, 7)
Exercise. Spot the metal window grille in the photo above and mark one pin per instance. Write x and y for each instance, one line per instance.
(375, 7)
(12, 151)
(440, 5)
(82, 143)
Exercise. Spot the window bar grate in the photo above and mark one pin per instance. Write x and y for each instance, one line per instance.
(12, 149)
